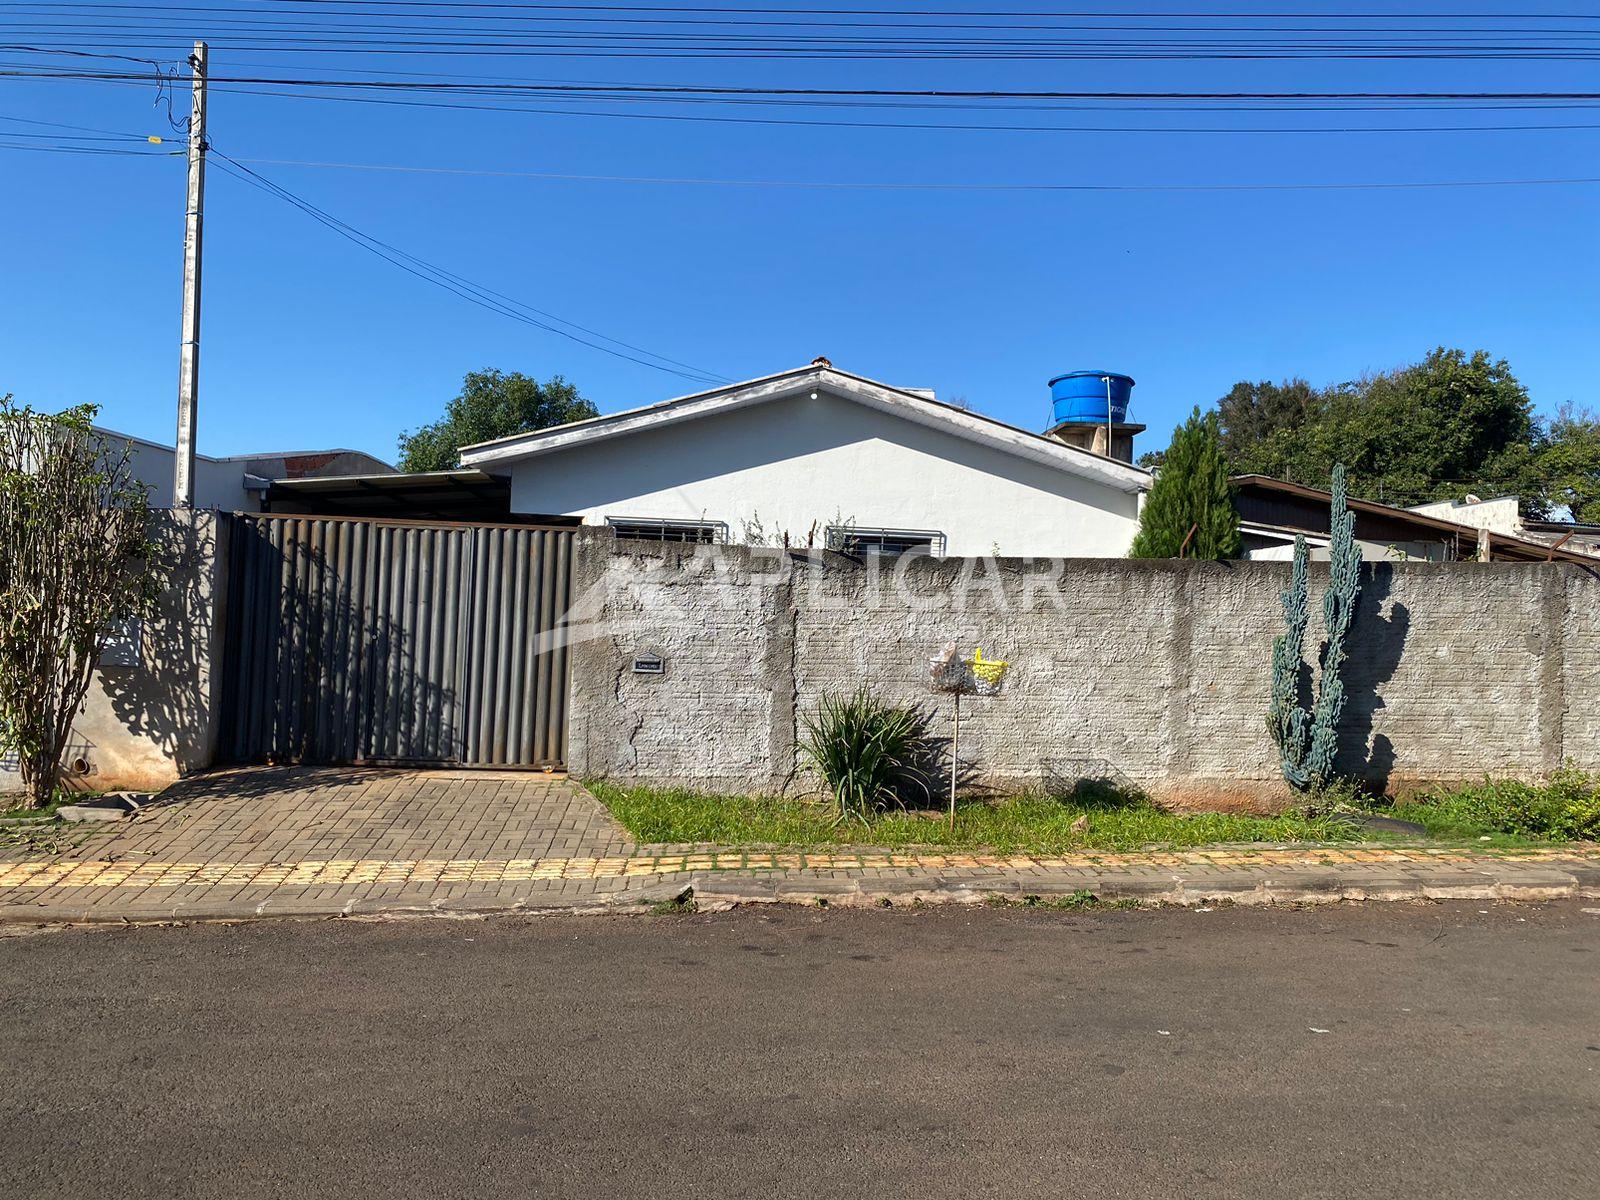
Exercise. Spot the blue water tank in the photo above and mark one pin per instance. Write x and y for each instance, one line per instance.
(1081, 396)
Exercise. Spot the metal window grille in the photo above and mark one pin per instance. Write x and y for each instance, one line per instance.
(853, 540)
(660, 529)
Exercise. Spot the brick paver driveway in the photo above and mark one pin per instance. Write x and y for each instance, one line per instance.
(343, 841)
(282, 834)
(298, 814)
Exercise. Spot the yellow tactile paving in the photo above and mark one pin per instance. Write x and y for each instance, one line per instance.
(95, 874)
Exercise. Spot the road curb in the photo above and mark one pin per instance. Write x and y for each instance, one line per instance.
(719, 891)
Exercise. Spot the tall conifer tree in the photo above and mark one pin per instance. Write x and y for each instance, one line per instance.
(1191, 491)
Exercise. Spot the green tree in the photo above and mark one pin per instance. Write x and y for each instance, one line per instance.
(1568, 465)
(1439, 429)
(74, 561)
(1190, 492)
(1251, 413)
(491, 405)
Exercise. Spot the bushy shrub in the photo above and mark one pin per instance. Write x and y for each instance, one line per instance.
(866, 751)
(1565, 808)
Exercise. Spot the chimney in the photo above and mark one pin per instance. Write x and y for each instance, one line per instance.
(1089, 410)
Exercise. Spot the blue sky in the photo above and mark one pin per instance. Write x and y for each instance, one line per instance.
(309, 341)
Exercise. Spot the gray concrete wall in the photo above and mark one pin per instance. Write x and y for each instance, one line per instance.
(1154, 671)
(146, 723)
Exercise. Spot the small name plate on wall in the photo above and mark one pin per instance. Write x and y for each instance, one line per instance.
(649, 664)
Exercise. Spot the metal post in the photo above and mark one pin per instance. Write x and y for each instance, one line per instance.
(955, 759)
(1110, 452)
(189, 360)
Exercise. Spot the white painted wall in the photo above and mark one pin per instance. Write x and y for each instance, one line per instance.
(1370, 552)
(797, 460)
(218, 483)
(1497, 516)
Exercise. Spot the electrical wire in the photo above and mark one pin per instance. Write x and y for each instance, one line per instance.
(987, 127)
(121, 133)
(613, 32)
(220, 86)
(856, 185)
(812, 184)
(462, 287)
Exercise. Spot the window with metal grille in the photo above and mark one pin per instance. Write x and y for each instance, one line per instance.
(851, 539)
(660, 529)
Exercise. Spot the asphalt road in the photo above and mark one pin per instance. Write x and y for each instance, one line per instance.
(1384, 1050)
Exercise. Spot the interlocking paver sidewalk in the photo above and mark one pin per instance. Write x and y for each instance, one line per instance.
(335, 841)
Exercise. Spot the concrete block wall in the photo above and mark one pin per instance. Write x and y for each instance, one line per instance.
(1157, 672)
(146, 723)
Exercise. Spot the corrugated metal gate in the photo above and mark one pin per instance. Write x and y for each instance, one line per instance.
(356, 641)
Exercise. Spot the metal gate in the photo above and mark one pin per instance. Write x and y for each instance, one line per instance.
(353, 641)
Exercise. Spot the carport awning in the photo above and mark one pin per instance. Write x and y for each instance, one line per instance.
(432, 496)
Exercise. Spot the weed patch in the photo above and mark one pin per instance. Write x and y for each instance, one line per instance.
(1507, 811)
(678, 906)
(1028, 824)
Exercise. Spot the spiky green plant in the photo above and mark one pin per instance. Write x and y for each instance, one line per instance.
(1308, 742)
(1338, 612)
(865, 749)
(1287, 718)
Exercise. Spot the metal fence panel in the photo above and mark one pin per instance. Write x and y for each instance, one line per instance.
(516, 680)
(365, 641)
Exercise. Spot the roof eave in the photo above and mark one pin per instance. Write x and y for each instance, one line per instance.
(917, 408)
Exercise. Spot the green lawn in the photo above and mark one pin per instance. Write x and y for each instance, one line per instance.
(1022, 824)
(13, 805)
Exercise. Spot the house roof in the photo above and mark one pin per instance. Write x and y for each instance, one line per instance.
(910, 405)
(1423, 528)
(432, 495)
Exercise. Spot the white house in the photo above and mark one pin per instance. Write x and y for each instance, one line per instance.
(829, 458)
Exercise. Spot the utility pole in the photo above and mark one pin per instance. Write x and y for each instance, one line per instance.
(189, 361)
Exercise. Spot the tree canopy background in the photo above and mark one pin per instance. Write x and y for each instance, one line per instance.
(1451, 425)
(491, 405)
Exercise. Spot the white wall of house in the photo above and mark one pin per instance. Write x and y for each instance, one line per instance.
(218, 483)
(1497, 516)
(799, 461)
(1283, 551)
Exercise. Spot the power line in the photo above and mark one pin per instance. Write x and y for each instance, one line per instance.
(923, 125)
(541, 88)
(855, 185)
(616, 35)
(6, 145)
(120, 133)
(827, 185)
(462, 287)
(980, 127)
(679, 10)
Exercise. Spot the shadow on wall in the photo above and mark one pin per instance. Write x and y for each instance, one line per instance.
(932, 766)
(345, 643)
(1087, 778)
(1378, 643)
(165, 697)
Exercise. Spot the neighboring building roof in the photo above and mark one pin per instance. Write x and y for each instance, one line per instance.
(464, 495)
(1576, 536)
(911, 405)
(1277, 502)
(295, 463)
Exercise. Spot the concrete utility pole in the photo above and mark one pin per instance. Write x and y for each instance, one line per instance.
(189, 361)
